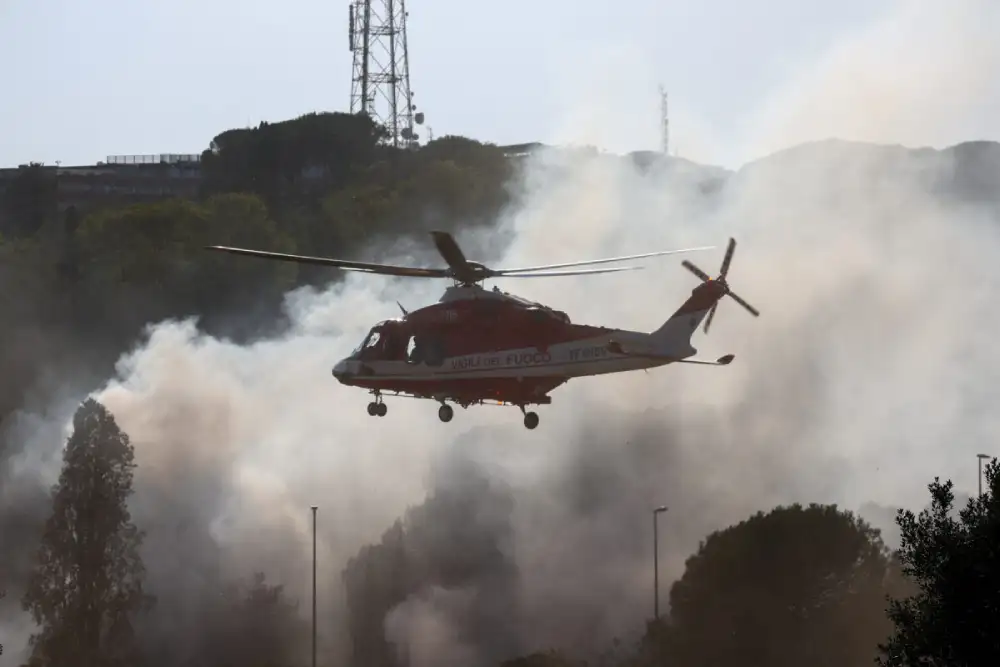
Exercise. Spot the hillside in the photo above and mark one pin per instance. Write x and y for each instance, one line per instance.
(967, 172)
(79, 285)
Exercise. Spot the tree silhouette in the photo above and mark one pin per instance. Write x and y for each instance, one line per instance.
(954, 562)
(796, 586)
(28, 201)
(87, 580)
(541, 659)
(256, 625)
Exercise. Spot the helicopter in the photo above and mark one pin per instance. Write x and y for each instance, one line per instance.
(479, 346)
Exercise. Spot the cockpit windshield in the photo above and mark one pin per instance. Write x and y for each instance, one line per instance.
(385, 341)
(369, 341)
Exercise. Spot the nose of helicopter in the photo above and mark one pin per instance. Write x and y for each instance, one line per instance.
(341, 371)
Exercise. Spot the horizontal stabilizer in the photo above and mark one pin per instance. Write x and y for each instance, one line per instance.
(651, 352)
(615, 347)
(721, 361)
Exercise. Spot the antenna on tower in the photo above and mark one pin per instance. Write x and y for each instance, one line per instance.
(664, 123)
(380, 84)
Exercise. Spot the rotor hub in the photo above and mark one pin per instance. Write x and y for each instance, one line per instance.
(470, 273)
(718, 286)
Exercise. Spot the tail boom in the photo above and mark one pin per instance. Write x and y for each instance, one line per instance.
(675, 334)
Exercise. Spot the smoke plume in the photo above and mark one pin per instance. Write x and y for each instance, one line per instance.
(869, 372)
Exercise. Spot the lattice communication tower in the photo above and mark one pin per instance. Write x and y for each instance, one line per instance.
(380, 84)
(664, 123)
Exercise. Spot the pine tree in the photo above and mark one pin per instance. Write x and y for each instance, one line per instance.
(87, 580)
(953, 615)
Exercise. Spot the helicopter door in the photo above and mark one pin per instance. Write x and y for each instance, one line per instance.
(394, 340)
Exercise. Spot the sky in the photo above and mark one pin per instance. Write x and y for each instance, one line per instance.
(111, 77)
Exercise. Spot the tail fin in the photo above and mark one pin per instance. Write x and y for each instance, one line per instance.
(675, 334)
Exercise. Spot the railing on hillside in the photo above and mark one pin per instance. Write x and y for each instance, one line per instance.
(159, 158)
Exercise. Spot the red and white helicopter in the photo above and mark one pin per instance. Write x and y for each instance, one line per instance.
(478, 346)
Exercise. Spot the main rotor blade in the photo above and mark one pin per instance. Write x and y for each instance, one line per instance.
(582, 272)
(448, 247)
(384, 269)
(753, 311)
(695, 270)
(728, 258)
(598, 261)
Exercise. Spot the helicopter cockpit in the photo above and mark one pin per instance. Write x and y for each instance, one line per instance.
(395, 340)
(386, 341)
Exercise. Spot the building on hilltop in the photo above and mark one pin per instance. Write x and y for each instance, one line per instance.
(121, 179)
(130, 179)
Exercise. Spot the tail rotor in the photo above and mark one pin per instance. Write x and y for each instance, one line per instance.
(721, 281)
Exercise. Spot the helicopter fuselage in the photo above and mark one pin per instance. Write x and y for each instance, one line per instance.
(488, 346)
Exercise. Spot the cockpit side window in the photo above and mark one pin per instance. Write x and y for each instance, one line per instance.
(393, 343)
(425, 348)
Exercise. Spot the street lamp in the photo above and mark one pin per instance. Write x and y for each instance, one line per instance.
(314, 508)
(981, 457)
(656, 564)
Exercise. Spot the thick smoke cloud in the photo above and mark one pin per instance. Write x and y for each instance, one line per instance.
(869, 372)
(924, 73)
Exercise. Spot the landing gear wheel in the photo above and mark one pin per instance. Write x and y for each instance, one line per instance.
(372, 409)
(381, 409)
(530, 420)
(445, 413)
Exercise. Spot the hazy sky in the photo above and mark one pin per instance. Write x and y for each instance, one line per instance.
(147, 76)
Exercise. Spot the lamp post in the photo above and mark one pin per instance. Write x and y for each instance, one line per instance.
(981, 457)
(656, 564)
(314, 508)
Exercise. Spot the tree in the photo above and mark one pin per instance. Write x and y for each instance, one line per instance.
(258, 627)
(87, 581)
(796, 586)
(954, 562)
(28, 201)
(274, 160)
(458, 538)
(149, 260)
(541, 659)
